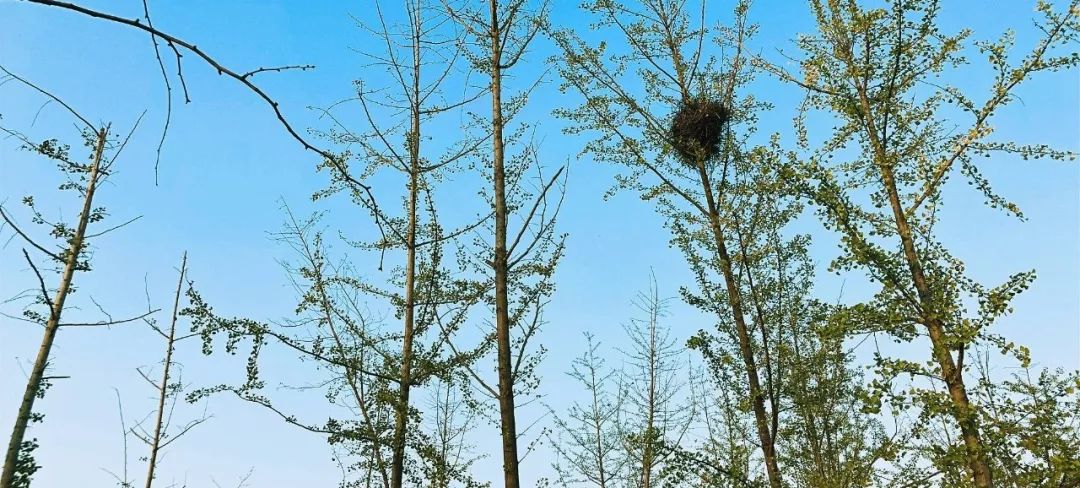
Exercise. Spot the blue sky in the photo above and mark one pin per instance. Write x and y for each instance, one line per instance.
(228, 166)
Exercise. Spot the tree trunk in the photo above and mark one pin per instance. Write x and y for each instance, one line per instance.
(962, 409)
(163, 387)
(37, 374)
(757, 398)
(402, 411)
(953, 376)
(508, 422)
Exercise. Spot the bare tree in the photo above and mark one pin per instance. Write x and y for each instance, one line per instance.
(448, 421)
(657, 408)
(168, 391)
(586, 438)
(168, 387)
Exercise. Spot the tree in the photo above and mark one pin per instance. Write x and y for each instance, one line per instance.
(69, 256)
(335, 328)
(1031, 425)
(521, 263)
(657, 410)
(169, 390)
(636, 415)
(877, 70)
(422, 66)
(702, 185)
(169, 387)
(586, 438)
(451, 420)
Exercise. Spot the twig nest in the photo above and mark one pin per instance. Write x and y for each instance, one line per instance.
(696, 129)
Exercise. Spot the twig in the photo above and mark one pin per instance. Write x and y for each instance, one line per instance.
(278, 69)
(244, 79)
(111, 322)
(53, 97)
(26, 237)
(106, 231)
(168, 91)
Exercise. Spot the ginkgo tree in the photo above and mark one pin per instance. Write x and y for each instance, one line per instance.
(899, 132)
(68, 255)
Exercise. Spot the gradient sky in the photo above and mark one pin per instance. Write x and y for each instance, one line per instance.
(228, 166)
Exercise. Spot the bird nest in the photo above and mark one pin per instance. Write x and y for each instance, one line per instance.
(697, 128)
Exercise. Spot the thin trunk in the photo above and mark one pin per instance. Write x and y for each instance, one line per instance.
(597, 426)
(761, 417)
(163, 387)
(647, 457)
(402, 413)
(757, 400)
(37, 374)
(500, 263)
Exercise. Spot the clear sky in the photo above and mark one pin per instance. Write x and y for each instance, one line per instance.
(228, 165)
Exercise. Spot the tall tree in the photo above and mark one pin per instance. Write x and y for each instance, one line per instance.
(521, 262)
(877, 71)
(381, 368)
(423, 61)
(68, 257)
(676, 134)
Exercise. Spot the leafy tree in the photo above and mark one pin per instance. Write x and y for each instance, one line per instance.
(877, 72)
(1032, 425)
(423, 67)
(705, 190)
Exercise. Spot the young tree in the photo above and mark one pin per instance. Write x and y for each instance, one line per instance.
(637, 415)
(449, 422)
(69, 256)
(586, 438)
(877, 72)
(1031, 422)
(422, 292)
(657, 410)
(168, 388)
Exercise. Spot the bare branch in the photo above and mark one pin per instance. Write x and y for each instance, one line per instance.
(110, 321)
(41, 282)
(51, 96)
(27, 238)
(278, 69)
